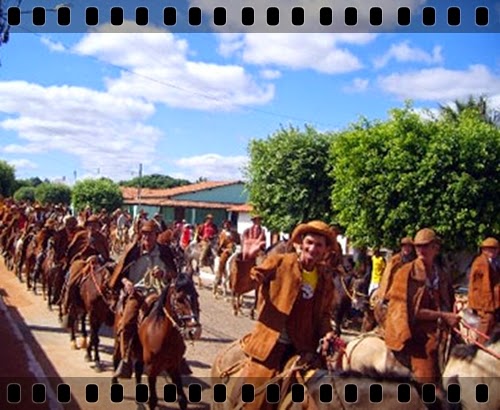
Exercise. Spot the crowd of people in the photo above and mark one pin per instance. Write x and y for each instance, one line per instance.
(412, 295)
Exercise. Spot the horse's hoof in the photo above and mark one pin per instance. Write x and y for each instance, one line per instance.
(87, 357)
(98, 367)
(74, 346)
(183, 403)
(83, 344)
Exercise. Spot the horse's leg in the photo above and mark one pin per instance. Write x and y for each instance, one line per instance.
(71, 323)
(254, 306)
(181, 396)
(84, 332)
(234, 300)
(116, 359)
(139, 370)
(153, 397)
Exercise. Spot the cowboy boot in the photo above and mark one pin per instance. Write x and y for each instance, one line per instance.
(124, 369)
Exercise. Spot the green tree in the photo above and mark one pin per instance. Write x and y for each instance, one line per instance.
(7, 179)
(288, 179)
(394, 177)
(98, 194)
(53, 193)
(29, 182)
(154, 181)
(479, 104)
(25, 193)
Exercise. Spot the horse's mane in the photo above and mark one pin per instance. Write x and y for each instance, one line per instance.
(469, 351)
(160, 302)
(495, 337)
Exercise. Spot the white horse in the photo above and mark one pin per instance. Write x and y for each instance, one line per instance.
(469, 366)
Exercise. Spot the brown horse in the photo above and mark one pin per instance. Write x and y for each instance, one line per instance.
(173, 316)
(239, 278)
(95, 299)
(98, 301)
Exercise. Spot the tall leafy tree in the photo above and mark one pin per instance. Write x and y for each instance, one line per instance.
(7, 179)
(98, 194)
(53, 193)
(25, 193)
(479, 104)
(154, 181)
(288, 179)
(394, 177)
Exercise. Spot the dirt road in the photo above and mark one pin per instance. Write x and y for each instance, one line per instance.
(35, 349)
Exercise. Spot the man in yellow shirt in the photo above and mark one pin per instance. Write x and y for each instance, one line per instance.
(378, 266)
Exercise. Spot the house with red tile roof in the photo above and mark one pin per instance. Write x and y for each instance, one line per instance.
(222, 199)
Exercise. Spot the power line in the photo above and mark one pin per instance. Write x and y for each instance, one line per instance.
(196, 92)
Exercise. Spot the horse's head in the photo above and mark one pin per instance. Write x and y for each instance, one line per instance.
(184, 306)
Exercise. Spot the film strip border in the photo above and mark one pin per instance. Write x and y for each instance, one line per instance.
(38, 394)
(207, 16)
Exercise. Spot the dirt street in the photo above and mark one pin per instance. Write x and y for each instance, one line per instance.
(34, 348)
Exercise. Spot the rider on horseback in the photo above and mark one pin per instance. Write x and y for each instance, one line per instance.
(296, 307)
(207, 233)
(145, 256)
(420, 303)
(86, 243)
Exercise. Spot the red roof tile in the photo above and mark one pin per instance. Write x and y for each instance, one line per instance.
(131, 193)
(179, 203)
(241, 208)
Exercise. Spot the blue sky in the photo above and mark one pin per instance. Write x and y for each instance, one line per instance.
(187, 104)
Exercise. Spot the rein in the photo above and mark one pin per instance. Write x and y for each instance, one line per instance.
(354, 292)
(480, 345)
(92, 275)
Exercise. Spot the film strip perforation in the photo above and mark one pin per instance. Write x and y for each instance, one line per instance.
(273, 16)
(328, 393)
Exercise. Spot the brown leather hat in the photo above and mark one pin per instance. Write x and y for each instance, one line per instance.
(315, 227)
(407, 240)
(149, 226)
(425, 236)
(490, 243)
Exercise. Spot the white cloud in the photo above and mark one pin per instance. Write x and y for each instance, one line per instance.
(270, 74)
(157, 67)
(102, 130)
(322, 52)
(404, 52)
(211, 166)
(358, 85)
(440, 84)
(23, 163)
(53, 45)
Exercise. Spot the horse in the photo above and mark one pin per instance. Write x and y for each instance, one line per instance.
(171, 318)
(192, 255)
(341, 383)
(98, 303)
(369, 352)
(470, 365)
(92, 298)
(348, 298)
(239, 279)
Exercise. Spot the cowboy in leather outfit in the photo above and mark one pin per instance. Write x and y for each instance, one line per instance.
(484, 287)
(296, 292)
(420, 300)
(86, 243)
(144, 256)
